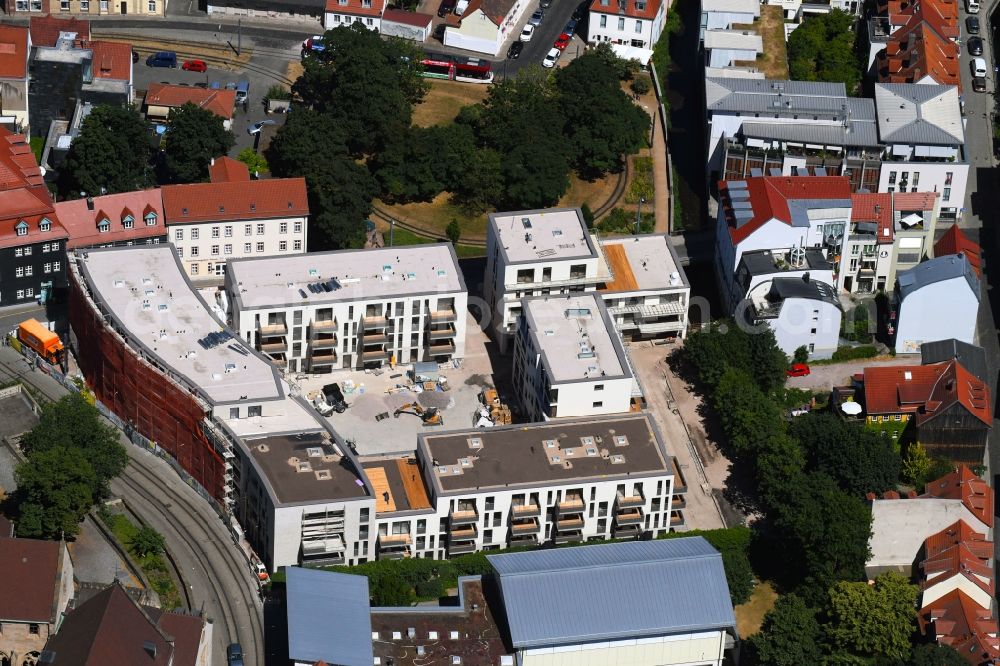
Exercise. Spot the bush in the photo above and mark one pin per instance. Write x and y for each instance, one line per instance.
(854, 353)
(641, 85)
(801, 355)
(588, 215)
(430, 589)
(622, 221)
(278, 92)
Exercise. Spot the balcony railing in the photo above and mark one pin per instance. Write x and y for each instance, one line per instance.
(568, 537)
(374, 322)
(442, 333)
(629, 517)
(571, 505)
(459, 548)
(273, 329)
(569, 524)
(375, 355)
(525, 510)
(680, 484)
(630, 501)
(676, 518)
(389, 540)
(679, 502)
(524, 539)
(441, 349)
(462, 533)
(527, 527)
(376, 338)
(324, 325)
(394, 554)
(463, 516)
(626, 531)
(443, 316)
(274, 347)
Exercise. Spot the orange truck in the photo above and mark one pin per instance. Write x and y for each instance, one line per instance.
(45, 342)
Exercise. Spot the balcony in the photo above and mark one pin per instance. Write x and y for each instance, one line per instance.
(374, 322)
(525, 510)
(331, 546)
(568, 537)
(443, 316)
(323, 326)
(279, 347)
(376, 338)
(442, 333)
(389, 540)
(374, 355)
(324, 342)
(459, 548)
(441, 349)
(679, 502)
(626, 531)
(278, 328)
(676, 518)
(323, 357)
(524, 540)
(629, 517)
(463, 517)
(527, 527)
(630, 501)
(571, 505)
(394, 554)
(569, 524)
(462, 533)
(680, 485)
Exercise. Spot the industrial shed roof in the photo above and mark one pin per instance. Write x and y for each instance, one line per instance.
(329, 617)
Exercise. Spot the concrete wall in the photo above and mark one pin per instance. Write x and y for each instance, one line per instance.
(476, 33)
(623, 29)
(333, 20)
(799, 317)
(930, 177)
(701, 649)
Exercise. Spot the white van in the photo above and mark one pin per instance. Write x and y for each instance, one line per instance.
(972, 6)
(978, 67)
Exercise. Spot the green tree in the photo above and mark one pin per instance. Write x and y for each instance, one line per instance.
(55, 490)
(147, 541)
(822, 48)
(313, 145)
(72, 423)
(601, 123)
(790, 635)
(936, 655)
(877, 620)
(111, 154)
(748, 417)
(194, 137)
(255, 162)
(588, 215)
(859, 459)
(801, 354)
(453, 231)
(423, 161)
(480, 186)
(367, 83)
(711, 350)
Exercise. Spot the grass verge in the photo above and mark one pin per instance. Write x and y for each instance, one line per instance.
(750, 616)
(154, 566)
(443, 101)
(407, 237)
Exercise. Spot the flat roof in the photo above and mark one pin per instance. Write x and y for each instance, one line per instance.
(900, 526)
(328, 617)
(306, 467)
(542, 235)
(642, 263)
(146, 293)
(545, 453)
(576, 338)
(469, 631)
(352, 275)
(398, 484)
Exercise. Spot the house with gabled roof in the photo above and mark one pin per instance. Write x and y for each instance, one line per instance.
(113, 220)
(161, 98)
(485, 25)
(954, 241)
(936, 300)
(348, 12)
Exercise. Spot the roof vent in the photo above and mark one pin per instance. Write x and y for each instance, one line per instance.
(617, 459)
(222, 209)
(304, 466)
(907, 375)
(253, 206)
(184, 211)
(314, 452)
(263, 448)
(149, 647)
(475, 443)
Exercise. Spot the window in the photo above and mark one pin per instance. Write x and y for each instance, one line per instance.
(621, 23)
(283, 228)
(253, 410)
(84, 5)
(598, 387)
(127, 222)
(282, 246)
(229, 248)
(36, 5)
(63, 7)
(947, 177)
(229, 231)
(215, 250)
(22, 5)
(45, 225)
(916, 178)
(947, 194)
(604, 20)
(22, 228)
(260, 247)
(151, 219)
(892, 177)
(260, 229)
(45, 248)
(297, 245)
(180, 252)
(638, 26)
(19, 271)
(215, 232)
(234, 412)
(48, 268)
(20, 293)
(27, 251)
(195, 234)
(18, 251)
(194, 251)
(298, 227)
(598, 403)
(179, 234)
(854, 265)
(55, 266)
(247, 248)
(896, 417)
(194, 269)
(152, 6)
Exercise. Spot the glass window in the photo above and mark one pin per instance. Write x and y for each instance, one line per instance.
(29, 292)
(215, 232)
(64, 5)
(260, 247)
(215, 250)
(229, 231)
(229, 248)
(282, 246)
(297, 245)
(18, 252)
(621, 23)
(247, 248)
(947, 194)
(45, 225)
(20, 293)
(152, 6)
(247, 229)
(283, 228)
(19, 271)
(194, 251)
(260, 229)
(179, 234)
(127, 223)
(298, 227)
(638, 26)
(604, 20)
(22, 228)
(195, 234)
(234, 412)
(151, 220)
(194, 269)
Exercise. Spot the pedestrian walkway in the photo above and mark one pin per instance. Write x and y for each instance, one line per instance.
(661, 183)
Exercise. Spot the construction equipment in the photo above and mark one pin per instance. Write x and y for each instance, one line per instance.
(430, 416)
(499, 412)
(45, 342)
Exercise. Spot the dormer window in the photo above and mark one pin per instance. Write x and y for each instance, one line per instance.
(22, 228)
(104, 226)
(151, 220)
(128, 222)
(45, 225)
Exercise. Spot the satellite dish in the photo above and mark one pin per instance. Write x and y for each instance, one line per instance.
(850, 408)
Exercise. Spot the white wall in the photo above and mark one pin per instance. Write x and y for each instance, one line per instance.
(798, 318)
(933, 177)
(939, 311)
(726, 57)
(622, 29)
(726, 20)
(333, 20)
(936, 590)
(212, 236)
(701, 649)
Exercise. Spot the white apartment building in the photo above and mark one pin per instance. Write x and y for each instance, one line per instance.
(798, 9)
(352, 308)
(543, 252)
(802, 312)
(569, 360)
(637, 23)
(211, 223)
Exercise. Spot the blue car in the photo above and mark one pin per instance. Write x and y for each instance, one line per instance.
(570, 28)
(162, 59)
(234, 654)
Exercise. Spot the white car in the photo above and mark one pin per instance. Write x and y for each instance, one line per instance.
(978, 67)
(528, 31)
(550, 58)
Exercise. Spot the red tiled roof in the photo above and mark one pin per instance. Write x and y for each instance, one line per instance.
(874, 208)
(255, 199)
(45, 29)
(898, 389)
(415, 19)
(958, 533)
(956, 384)
(13, 52)
(941, 15)
(112, 60)
(957, 561)
(916, 51)
(355, 7)
(23, 195)
(648, 12)
(956, 620)
(914, 201)
(81, 222)
(962, 484)
(185, 630)
(219, 102)
(955, 242)
(30, 577)
(227, 170)
(769, 196)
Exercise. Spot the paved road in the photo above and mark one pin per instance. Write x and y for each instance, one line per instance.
(825, 377)
(213, 567)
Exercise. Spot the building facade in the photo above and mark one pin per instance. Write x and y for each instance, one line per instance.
(348, 12)
(801, 312)
(114, 220)
(317, 312)
(637, 23)
(936, 300)
(85, 8)
(485, 25)
(16, 42)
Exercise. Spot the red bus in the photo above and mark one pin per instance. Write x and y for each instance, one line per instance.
(457, 68)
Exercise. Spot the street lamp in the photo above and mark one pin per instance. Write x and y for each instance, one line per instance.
(638, 215)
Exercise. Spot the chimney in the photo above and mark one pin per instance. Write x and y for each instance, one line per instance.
(805, 277)
(949, 385)
(878, 209)
(90, 203)
(149, 647)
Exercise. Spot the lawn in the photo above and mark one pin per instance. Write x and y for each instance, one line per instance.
(37, 146)
(594, 193)
(774, 61)
(154, 566)
(436, 214)
(444, 99)
(407, 237)
(750, 616)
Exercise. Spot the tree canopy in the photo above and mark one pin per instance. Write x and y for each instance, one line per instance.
(55, 490)
(194, 137)
(110, 155)
(822, 48)
(936, 655)
(877, 620)
(790, 635)
(713, 349)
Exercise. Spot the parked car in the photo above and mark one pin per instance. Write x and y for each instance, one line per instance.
(978, 67)
(527, 33)
(975, 45)
(797, 370)
(314, 44)
(446, 7)
(242, 91)
(979, 84)
(515, 50)
(162, 59)
(972, 25)
(536, 18)
(550, 58)
(234, 655)
(257, 127)
(972, 6)
(545, 4)
(194, 66)
(562, 41)
(581, 11)
(570, 28)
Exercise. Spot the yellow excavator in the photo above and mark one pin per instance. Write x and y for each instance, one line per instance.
(430, 416)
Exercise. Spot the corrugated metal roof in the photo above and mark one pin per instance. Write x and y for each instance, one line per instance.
(919, 114)
(861, 133)
(757, 96)
(329, 617)
(620, 590)
(935, 270)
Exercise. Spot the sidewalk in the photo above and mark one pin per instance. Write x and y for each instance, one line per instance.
(661, 201)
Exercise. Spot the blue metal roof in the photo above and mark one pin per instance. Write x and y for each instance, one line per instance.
(329, 617)
(938, 269)
(613, 591)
